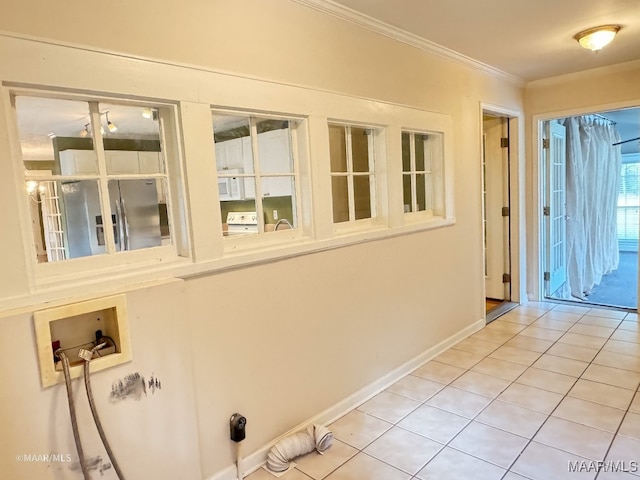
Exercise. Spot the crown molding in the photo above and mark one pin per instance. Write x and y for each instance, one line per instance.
(345, 13)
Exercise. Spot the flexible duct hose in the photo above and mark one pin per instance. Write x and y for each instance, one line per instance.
(315, 437)
(72, 413)
(87, 383)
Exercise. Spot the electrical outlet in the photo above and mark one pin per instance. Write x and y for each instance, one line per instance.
(275, 214)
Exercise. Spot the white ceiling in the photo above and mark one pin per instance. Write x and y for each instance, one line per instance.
(529, 39)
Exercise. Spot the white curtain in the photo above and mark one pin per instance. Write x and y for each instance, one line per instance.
(593, 175)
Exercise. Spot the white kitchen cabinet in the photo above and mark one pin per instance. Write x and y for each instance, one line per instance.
(275, 157)
(78, 162)
(122, 161)
(150, 162)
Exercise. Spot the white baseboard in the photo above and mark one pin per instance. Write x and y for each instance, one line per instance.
(259, 457)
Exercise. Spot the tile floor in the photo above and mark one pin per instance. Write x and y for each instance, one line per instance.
(543, 393)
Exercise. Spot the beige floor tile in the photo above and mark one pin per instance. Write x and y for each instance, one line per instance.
(618, 474)
(556, 314)
(513, 476)
(600, 321)
(389, 406)
(494, 336)
(566, 366)
(451, 464)
(630, 326)
(358, 429)
(635, 405)
(363, 466)
(541, 333)
(574, 438)
(439, 372)
(626, 348)
(515, 355)
(603, 312)
(546, 380)
(505, 327)
(473, 345)
(626, 336)
(481, 384)
(517, 318)
(571, 309)
(618, 360)
(532, 310)
(608, 395)
(593, 330)
(540, 462)
(416, 388)
(624, 449)
(631, 427)
(490, 444)
(612, 376)
(582, 340)
(499, 368)
(404, 450)
(319, 466)
(512, 418)
(574, 352)
(458, 358)
(530, 397)
(529, 343)
(633, 317)
(552, 324)
(434, 423)
(458, 401)
(263, 474)
(589, 414)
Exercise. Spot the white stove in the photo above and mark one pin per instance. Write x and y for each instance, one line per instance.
(242, 223)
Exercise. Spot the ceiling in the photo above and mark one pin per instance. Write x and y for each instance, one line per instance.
(528, 39)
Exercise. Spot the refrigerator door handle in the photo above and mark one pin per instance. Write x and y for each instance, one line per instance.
(125, 225)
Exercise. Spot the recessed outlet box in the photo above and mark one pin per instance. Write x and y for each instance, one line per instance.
(74, 326)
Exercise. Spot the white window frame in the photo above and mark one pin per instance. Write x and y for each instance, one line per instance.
(48, 273)
(375, 142)
(238, 244)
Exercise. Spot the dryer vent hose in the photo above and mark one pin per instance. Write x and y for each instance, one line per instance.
(315, 437)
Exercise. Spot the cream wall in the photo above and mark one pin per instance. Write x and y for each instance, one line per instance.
(351, 315)
(579, 93)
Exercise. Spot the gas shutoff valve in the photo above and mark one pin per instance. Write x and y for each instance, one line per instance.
(237, 425)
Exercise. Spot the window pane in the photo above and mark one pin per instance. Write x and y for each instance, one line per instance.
(239, 218)
(340, 192)
(362, 196)
(136, 210)
(406, 189)
(421, 192)
(62, 215)
(279, 206)
(338, 148)
(419, 145)
(406, 152)
(55, 135)
(131, 139)
(360, 149)
(274, 146)
(232, 136)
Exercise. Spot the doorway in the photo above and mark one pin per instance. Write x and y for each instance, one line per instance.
(496, 213)
(590, 219)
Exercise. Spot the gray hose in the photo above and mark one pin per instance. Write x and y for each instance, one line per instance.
(87, 383)
(72, 413)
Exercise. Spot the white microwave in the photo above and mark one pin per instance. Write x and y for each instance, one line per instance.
(230, 187)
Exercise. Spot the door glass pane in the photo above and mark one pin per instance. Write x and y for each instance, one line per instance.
(135, 207)
(131, 139)
(232, 137)
(406, 152)
(360, 149)
(338, 148)
(274, 146)
(340, 192)
(362, 196)
(420, 151)
(406, 190)
(55, 135)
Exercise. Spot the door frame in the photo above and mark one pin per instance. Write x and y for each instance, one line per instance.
(517, 253)
(535, 220)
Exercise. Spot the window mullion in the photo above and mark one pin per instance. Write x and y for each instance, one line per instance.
(253, 129)
(103, 181)
(372, 174)
(350, 192)
(413, 176)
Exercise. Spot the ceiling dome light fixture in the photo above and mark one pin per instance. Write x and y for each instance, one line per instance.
(596, 38)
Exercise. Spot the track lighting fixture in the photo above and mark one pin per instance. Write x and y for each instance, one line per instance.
(84, 133)
(150, 113)
(112, 128)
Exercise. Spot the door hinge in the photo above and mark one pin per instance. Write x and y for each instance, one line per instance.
(545, 143)
(506, 278)
(546, 211)
(547, 276)
(505, 211)
(504, 142)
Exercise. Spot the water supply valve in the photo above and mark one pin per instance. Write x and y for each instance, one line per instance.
(237, 425)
